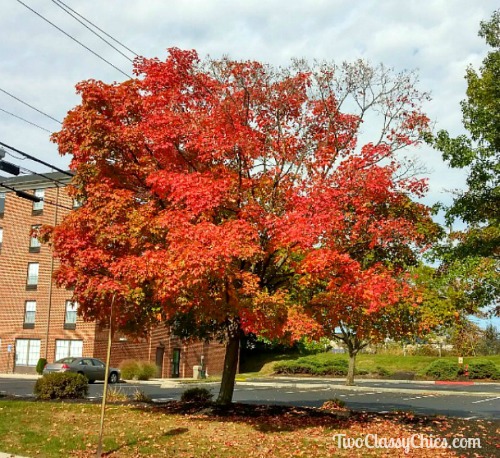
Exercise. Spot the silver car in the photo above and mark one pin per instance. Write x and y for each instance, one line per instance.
(94, 369)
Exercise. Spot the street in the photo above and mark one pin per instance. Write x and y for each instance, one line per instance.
(470, 402)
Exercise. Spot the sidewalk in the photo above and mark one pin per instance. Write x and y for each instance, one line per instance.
(8, 455)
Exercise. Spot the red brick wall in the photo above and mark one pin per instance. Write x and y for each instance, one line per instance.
(16, 223)
(124, 348)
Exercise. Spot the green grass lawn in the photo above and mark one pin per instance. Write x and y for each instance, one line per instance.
(56, 429)
(262, 365)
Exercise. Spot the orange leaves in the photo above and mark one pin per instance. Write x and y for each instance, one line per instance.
(300, 324)
(226, 188)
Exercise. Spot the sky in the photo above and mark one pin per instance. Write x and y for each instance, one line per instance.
(41, 65)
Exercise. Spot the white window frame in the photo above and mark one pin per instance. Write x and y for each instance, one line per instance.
(71, 312)
(39, 205)
(34, 242)
(2, 201)
(29, 312)
(68, 347)
(27, 352)
(33, 273)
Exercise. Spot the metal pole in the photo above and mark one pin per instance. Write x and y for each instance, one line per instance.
(49, 311)
(105, 393)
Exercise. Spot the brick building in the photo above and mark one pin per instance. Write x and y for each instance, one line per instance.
(39, 320)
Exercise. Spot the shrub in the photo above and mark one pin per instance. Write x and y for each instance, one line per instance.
(141, 396)
(442, 369)
(325, 364)
(40, 365)
(61, 385)
(138, 370)
(293, 367)
(197, 394)
(129, 368)
(116, 395)
(382, 371)
(483, 368)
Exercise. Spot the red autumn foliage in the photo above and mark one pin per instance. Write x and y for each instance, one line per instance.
(213, 187)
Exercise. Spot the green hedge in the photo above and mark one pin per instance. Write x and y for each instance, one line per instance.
(40, 366)
(61, 385)
(313, 365)
(482, 369)
(132, 369)
(442, 369)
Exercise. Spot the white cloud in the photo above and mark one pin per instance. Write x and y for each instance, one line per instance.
(42, 66)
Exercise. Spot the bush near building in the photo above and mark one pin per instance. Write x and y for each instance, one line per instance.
(132, 369)
(40, 365)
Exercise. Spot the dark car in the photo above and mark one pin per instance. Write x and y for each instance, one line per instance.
(92, 368)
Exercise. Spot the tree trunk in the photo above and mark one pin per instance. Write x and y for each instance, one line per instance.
(229, 373)
(352, 367)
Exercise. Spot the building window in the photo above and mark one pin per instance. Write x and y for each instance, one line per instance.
(29, 314)
(34, 242)
(67, 348)
(77, 203)
(32, 281)
(1, 238)
(38, 206)
(27, 352)
(2, 203)
(70, 317)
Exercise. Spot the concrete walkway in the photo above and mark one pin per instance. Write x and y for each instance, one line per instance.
(8, 455)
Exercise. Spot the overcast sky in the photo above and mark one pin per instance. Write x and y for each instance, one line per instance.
(41, 65)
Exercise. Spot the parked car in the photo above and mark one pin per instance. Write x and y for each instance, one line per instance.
(93, 368)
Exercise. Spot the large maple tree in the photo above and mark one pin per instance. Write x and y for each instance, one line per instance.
(209, 186)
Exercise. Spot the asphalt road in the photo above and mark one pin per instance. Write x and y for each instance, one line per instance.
(471, 402)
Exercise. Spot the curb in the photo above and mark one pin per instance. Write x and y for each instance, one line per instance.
(369, 389)
(379, 380)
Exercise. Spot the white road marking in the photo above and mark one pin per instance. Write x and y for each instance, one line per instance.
(419, 397)
(485, 400)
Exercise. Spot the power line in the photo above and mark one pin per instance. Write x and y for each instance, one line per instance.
(73, 38)
(43, 176)
(70, 11)
(32, 197)
(98, 28)
(28, 105)
(36, 160)
(25, 120)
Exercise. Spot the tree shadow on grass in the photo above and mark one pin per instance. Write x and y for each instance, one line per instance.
(275, 418)
(137, 441)
(264, 418)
